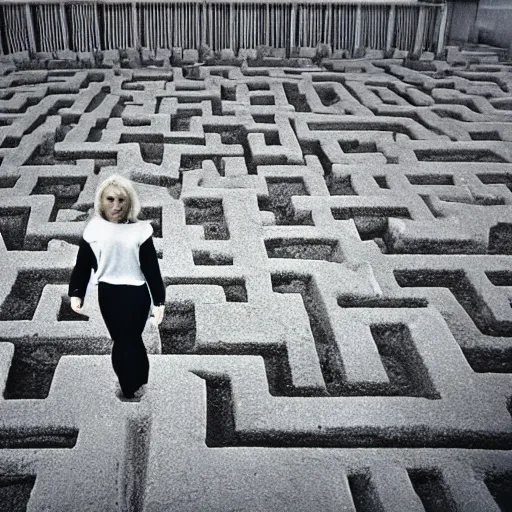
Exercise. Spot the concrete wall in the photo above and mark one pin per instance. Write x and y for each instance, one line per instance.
(494, 22)
(462, 21)
(480, 21)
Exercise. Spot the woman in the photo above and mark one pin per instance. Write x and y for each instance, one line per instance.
(120, 250)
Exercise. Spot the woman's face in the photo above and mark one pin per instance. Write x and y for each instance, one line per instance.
(115, 204)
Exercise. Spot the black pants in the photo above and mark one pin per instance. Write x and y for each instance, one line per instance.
(125, 309)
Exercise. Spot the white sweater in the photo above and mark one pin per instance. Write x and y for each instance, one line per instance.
(116, 247)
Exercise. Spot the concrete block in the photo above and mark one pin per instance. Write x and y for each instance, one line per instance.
(374, 54)
(227, 54)
(324, 51)
(147, 56)
(61, 64)
(177, 53)
(205, 52)
(278, 53)
(263, 51)
(190, 56)
(303, 62)
(400, 54)
(86, 59)
(164, 54)
(44, 56)
(339, 54)
(66, 55)
(427, 56)
(6, 66)
(111, 58)
(21, 57)
(247, 53)
(359, 53)
(453, 54)
(307, 52)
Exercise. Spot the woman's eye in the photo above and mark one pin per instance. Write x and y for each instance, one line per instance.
(121, 200)
(110, 199)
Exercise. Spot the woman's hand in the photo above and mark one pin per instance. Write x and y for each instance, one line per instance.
(76, 304)
(158, 313)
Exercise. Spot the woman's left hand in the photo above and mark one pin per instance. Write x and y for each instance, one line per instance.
(158, 313)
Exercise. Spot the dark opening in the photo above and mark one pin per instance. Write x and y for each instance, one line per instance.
(500, 239)
(408, 375)
(210, 214)
(13, 227)
(500, 487)
(302, 249)
(15, 491)
(458, 155)
(279, 201)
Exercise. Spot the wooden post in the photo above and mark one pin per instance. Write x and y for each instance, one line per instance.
(231, 27)
(328, 32)
(97, 26)
(203, 23)
(418, 42)
(30, 28)
(293, 19)
(210, 24)
(391, 28)
(64, 26)
(1, 44)
(357, 30)
(135, 26)
(267, 35)
(442, 30)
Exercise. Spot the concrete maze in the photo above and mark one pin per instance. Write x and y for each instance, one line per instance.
(336, 245)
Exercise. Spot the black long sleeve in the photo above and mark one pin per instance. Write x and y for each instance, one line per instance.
(149, 266)
(85, 262)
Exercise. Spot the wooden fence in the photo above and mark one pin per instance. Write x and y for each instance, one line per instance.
(85, 25)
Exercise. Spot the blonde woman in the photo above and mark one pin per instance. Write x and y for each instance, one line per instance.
(120, 250)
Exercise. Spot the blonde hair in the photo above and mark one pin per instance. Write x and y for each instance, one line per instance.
(120, 182)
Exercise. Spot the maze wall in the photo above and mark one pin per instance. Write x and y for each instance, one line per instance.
(337, 253)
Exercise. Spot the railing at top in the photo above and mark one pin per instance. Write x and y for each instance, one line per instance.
(86, 25)
(431, 3)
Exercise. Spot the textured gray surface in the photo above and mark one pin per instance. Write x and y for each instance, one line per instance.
(337, 248)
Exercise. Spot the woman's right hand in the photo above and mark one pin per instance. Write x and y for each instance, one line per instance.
(76, 304)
